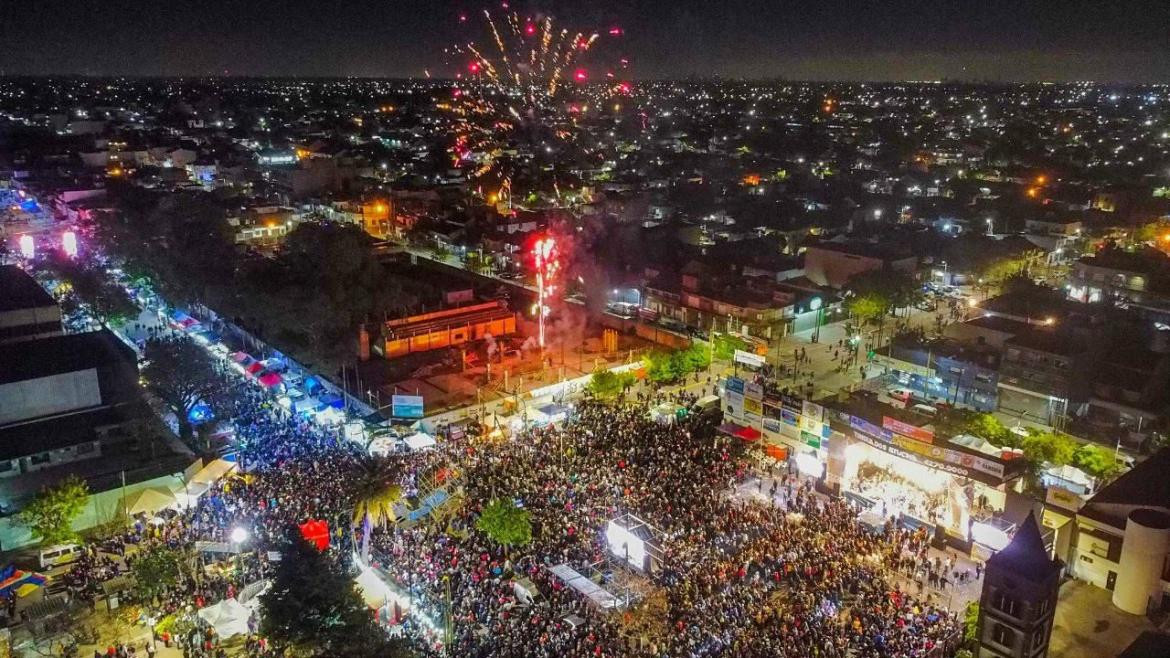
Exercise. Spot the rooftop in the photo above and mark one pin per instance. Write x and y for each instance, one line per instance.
(18, 290)
(1026, 554)
(61, 354)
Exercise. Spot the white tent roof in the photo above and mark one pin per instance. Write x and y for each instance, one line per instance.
(419, 441)
(148, 501)
(228, 617)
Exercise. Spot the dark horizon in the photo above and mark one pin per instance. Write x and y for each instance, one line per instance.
(835, 40)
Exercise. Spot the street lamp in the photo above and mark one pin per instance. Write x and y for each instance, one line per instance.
(239, 535)
(990, 226)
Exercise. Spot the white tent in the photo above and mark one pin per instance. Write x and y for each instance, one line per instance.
(420, 441)
(209, 475)
(229, 617)
(148, 501)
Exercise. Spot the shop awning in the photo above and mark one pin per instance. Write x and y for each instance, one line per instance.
(269, 379)
(239, 357)
(254, 368)
(740, 432)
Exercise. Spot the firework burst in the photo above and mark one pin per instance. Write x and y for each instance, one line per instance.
(525, 71)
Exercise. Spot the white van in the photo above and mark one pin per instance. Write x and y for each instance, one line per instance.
(59, 554)
(925, 410)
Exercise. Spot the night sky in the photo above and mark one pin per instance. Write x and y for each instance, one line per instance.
(1116, 40)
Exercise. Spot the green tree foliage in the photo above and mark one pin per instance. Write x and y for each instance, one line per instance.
(606, 384)
(971, 622)
(867, 307)
(308, 299)
(882, 291)
(664, 366)
(156, 570)
(376, 491)
(1048, 447)
(659, 368)
(313, 608)
(1097, 461)
(505, 523)
(182, 375)
(50, 514)
(727, 344)
(87, 283)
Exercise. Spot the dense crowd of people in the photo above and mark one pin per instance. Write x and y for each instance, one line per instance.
(799, 577)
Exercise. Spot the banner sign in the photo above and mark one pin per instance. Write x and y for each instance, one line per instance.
(733, 385)
(749, 359)
(906, 429)
(407, 406)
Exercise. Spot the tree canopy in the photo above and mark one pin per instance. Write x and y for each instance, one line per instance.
(606, 384)
(505, 523)
(182, 375)
(313, 607)
(50, 514)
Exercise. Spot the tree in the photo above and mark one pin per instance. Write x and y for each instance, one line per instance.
(50, 514)
(971, 622)
(605, 384)
(505, 523)
(156, 570)
(727, 344)
(376, 493)
(313, 607)
(867, 307)
(1048, 447)
(182, 375)
(1097, 461)
(659, 367)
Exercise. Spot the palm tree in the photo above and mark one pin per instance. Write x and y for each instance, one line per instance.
(376, 491)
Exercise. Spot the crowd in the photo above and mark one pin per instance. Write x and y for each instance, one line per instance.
(798, 578)
(803, 578)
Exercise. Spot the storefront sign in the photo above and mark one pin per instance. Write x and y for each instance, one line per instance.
(733, 385)
(791, 403)
(753, 406)
(906, 429)
(735, 404)
(1063, 498)
(753, 390)
(812, 411)
(749, 359)
(811, 440)
(771, 424)
(788, 417)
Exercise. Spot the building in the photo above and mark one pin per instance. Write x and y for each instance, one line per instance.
(1020, 588)
(59, 396)
(27, 312)
(1122, 538)
(1044, 375)
(964, 374)
(1136, 279)
(834, 263)
(446, 328)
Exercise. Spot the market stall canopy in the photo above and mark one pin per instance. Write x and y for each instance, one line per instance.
(228, 617)
(269, 379)
(209, 475)
(240, 357)
(253, 368)
(740, 432)
(420, 441)
(148, 501)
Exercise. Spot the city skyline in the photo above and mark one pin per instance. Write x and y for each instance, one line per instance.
(843, 40)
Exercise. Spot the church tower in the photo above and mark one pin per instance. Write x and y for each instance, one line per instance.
(1020, 586)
